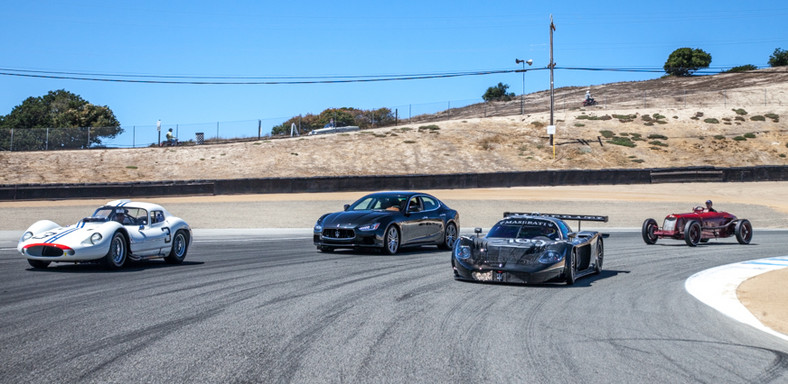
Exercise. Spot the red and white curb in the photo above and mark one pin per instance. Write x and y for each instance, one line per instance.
(716, 287)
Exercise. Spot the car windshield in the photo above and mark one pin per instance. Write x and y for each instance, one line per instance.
(101, 214)
(123, 215)
(391, 202)
(525, 229)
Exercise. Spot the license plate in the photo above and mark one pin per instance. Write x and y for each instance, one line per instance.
(483, 276)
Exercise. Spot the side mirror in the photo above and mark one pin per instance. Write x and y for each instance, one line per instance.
(142, 227)
(347, 206)
(571, 235)
(477, 231)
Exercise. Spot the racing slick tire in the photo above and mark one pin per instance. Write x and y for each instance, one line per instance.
(649, 226)
(569, 268)
(38, 264)
(180, 245)
(600, 256)
(692, 233)
(743, 231)
(116, 256)
(391, 240)
(449, 237)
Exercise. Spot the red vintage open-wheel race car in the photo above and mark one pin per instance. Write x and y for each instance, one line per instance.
(698, 226)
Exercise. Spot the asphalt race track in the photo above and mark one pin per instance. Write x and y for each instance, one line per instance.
(269, 309)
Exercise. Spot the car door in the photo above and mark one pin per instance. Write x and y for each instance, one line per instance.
(415, 228)
(151, 234)
(433, 220)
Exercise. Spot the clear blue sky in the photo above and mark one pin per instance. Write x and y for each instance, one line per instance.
(320, 39)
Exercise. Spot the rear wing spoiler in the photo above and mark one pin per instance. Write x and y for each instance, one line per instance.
(562, 216)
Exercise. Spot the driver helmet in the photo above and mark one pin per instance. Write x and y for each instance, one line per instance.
(708, 203)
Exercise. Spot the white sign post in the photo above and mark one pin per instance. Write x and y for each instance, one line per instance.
(551, 132)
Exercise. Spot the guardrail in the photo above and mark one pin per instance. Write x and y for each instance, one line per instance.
(392, 182)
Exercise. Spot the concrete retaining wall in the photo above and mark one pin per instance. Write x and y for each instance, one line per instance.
(406, 182)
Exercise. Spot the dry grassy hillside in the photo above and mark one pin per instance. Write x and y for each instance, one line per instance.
(736, 126)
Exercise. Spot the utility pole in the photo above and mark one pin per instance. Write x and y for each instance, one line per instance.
(551, 127)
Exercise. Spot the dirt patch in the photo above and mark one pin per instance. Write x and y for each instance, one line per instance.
(765, 296)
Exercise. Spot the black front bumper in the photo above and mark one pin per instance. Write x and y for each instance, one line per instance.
(507, 273)
(355, 240)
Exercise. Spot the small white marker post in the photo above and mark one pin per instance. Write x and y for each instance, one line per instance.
(551, 133)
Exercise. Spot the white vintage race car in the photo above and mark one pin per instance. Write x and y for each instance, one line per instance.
(116, 232)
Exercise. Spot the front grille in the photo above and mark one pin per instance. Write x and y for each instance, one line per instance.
(338, 233)
(45, 251)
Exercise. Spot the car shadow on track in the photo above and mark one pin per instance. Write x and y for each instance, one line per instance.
(711, 243)
(131, 266)
(426, 249)
(583, 282)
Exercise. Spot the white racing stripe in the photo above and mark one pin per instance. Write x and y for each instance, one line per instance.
(716, 287)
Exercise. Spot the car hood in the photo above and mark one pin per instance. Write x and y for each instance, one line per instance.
(520, 251)
(349, 219)
(65, 235)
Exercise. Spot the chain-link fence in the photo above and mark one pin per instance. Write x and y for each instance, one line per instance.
(618, 96)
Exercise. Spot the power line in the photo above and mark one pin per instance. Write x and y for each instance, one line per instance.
(245, 80)
(300, 80)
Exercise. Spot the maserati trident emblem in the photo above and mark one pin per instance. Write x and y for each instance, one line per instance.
(336, 233)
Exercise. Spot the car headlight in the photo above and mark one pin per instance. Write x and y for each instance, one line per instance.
(369, 227)
(27, 235)
(318, 227)
(461, 251)
(550, 257)
(95, 238)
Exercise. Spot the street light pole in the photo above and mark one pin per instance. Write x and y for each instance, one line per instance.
(522, 97)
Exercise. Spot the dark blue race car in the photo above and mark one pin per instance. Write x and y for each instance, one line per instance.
(388, 221)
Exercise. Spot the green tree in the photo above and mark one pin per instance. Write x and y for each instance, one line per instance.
(72, 122)
(498, 93)
(779, 58)
(685, 61)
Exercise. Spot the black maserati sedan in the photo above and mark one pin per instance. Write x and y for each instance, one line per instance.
(389, 221)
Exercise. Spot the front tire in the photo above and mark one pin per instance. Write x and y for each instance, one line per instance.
(391, 240)
(180, 245)
(569, 268)
(692, 233)
(449, 237)
(743, 231)
(649, 226)
(116, 256)
(38, 264)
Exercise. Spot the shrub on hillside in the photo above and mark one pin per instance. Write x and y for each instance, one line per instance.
(741, 68)
(624, 141)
